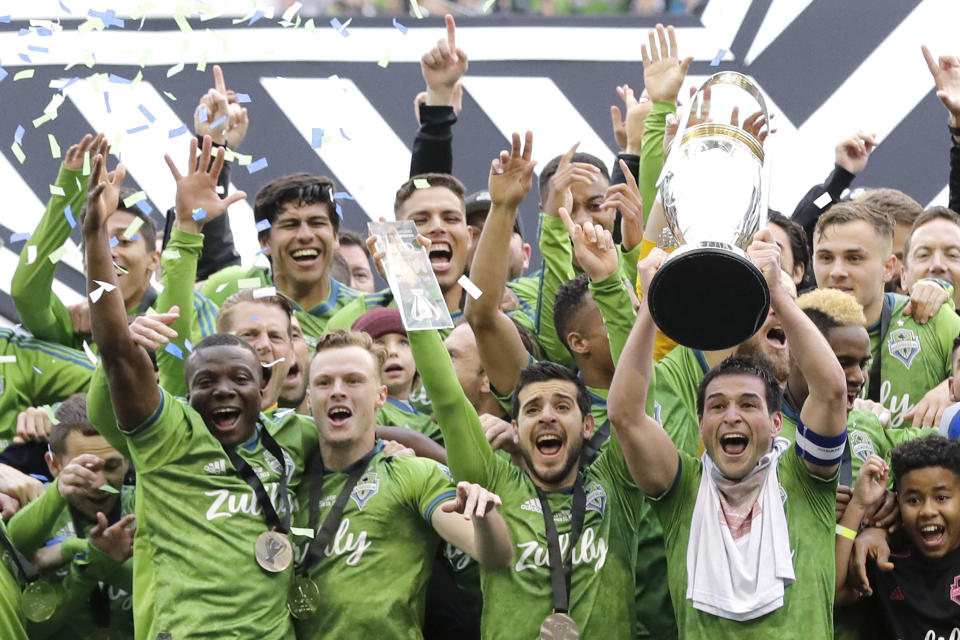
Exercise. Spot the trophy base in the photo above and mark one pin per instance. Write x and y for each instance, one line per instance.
(709, 296)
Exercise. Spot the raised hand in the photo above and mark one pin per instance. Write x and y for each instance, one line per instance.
(73, 159)
(628, 130)
(153, 331)
(926, 298)
(33, 425)
(647, 268)
(946, 73)
(883, 414)
(443, 66)
(198, 189)
(79, 477)
(18, 485)
(511, 175)
(663, 72)
(103, 193)
(765, 254)
(593, 247)
(215, 104)
(870, 543)
(472, 501)
(754, 124)
(698, 117)
(567, 174)
(394, 448)
(500, 434)
(626, 198)
(871, 485)
(115, 540)
(854, 151)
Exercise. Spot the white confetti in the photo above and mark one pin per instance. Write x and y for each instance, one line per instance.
(823, 200)
(468, 285)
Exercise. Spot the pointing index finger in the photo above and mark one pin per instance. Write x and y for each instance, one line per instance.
(218, 82)
(451, 32)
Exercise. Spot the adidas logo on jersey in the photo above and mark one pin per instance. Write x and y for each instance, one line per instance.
(215, 467)
(532, 505)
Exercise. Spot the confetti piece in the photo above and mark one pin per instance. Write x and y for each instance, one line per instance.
(199, 215)
(5, 19)
(146, 113)
(384, 59)
(175, 69)
(222, 287)
(309, 26)
(416, 9)
(24, 56)
(248, 283)
(64, 7)
(717, 58)
(340, 27)
(202, 115)
(141, 11)
(34, 47)
(91, 356)
(8, 359)
(202, 63)
(133, 228)
(182, 23)
(106, 100)
(142, 127)
(56, 191)
(244, 160)
(487, 6)
(275, 362)
(31, 254)
(170, 95)
(179, 131)
(144, 206)
(264, 292)
(114, 78)
(257, 166)
(243, 98)
(421, 183)
(339, 210)
(109, 488)
(86, 163)
(343, 195)
(114, 241)
(26, 74)
(299, 531)
(174, 350)
(133, 199)
(68, 214)
(57, 255)
(291, 11)
(317, 135)
(108, 287)
(18, 134)
(470, 287)
(402, 29)
(18, 152)
(823, 201)
(263, 225)
(344, 134)
(39, 121)
(219, 121)
(96, 294)
(19, 237)
(256, 16)
(3, 74)
(188, 345)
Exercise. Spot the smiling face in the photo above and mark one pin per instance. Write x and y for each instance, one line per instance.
(934, 253)
(551, 431)
(112, 472)
(854, 257)
(224, 388)
(587, 198)
(930, 507)
(132, 256)
(440, 216)
(345, 393)
(266, 328)
(736, 428)
(400, 370)
(301, 241)
(851, 344)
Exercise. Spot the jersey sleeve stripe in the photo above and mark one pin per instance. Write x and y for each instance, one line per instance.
(149, 421)
(447, 495)
(69, 355)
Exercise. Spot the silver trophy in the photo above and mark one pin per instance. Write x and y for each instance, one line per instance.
(713, 190)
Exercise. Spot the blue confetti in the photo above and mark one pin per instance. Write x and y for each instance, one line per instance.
(242, 98)
(339, 210)
(402, 29)
(254, 319)
(34, 47)
(22, 32)
(68, 214)
(69, 82)
(24, 57)
(344, 134)
(145, 207)
(38, 371)
(317, 138)
(5, 19)
(18, 134)
(18, 237)
(179, 131)
(116, 79)
(219, 121)
(109, 17)
(202, 115)
(58, 539)
(146, 113)
(199, 215)
(114, 242)
(188, 345)
(174, 350)
(43, 31)
(64, 7)
(136, 237)
(253, 167)
(106, 100)
(256, 16)
(717, 58)
(264, 251)
(3, 74)
(336, 24)
(142, 127)
(263, 225)
(343, 195)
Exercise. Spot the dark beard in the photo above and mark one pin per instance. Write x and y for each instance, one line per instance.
(752, 348)
(573, 459)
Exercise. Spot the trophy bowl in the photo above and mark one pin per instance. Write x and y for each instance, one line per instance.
(713, 197)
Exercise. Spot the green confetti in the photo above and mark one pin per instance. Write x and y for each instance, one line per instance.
(56, 191)
(298, 531)
(421, 183)
(86, 163)
(248, 283)
(109, 488)
(18, 152)
(57, 255)
(26, 74)
(44, 118)
(416, 9)
(54, 146)
(133, 199)
(135, 225)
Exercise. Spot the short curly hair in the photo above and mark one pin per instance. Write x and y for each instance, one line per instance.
(841, 308)
(921, 453)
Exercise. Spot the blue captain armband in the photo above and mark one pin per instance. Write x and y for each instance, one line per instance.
(824, 451)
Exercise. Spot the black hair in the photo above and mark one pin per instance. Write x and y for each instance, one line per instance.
(743, 366)
(445, 180)
(350, 238)
(798, 238)
(299, 188)
(544, 371)
(551, 168)
(920, 453)
(956, 343)
(147, 231)
(224, 340)
(822, 321)
(569, 299)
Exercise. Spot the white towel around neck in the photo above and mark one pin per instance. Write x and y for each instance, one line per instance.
(740, 579)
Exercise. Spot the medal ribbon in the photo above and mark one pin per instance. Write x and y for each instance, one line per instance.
(561, 571)
(332, 521)
(250, 477)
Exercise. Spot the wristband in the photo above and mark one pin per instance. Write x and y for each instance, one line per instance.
(850, 534)
(943, 283)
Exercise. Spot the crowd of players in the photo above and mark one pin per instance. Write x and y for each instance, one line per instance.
(235, 452)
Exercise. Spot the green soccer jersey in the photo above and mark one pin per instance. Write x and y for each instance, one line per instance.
(11, 615)
(374, 571)
(809, 503)
(34, 373)
(397, 413)
(194, 570)
(914, 358)
(678, 375)
(314, 322)
(866, 437)
(88, 574)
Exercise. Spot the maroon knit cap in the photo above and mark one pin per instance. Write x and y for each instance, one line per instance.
(379, 322)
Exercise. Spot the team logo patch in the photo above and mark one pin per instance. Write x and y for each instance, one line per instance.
(274, 464)
(366, 488)
(215, 467)
(904, 345)
(955, 590)
(446, 471)
(861, 445)
(596, 498)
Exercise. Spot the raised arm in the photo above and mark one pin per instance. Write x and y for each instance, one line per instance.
(870, 488)
(498, 341)
(946, 73)
(649, 452)
(128, 368)
(473, 523)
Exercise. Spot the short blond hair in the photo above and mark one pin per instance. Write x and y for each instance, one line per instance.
(841, 307)
(343, 338)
